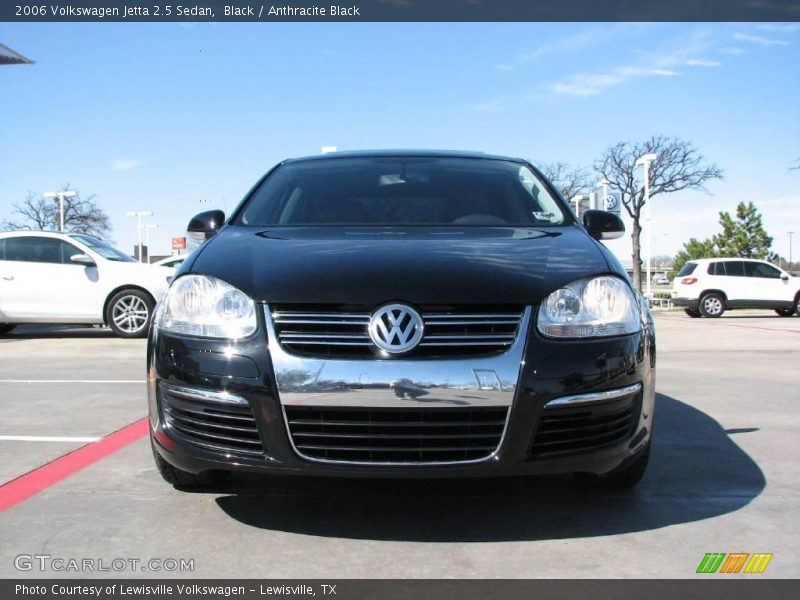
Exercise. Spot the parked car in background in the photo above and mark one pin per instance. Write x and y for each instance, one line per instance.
(75, 278)
(660, 280)
(406, 314)
(172, 262)
(710, 286)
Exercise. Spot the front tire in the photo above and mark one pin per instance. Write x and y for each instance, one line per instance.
(695, 314)
(712, 305)
(785, 312)
(129, 313)
(179, 478)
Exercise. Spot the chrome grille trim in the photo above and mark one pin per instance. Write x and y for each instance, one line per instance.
(447, 331)
(457, 382)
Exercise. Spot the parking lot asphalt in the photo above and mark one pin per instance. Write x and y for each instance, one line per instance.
(724, 477)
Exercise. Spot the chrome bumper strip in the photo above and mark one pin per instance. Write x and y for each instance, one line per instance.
(203, 395)
(579, 399)
(398, 383)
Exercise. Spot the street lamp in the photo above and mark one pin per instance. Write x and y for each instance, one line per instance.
(60, 195)
(604, 184)
(147, 228)
(139, 214)
(645, 161)
(577, 201)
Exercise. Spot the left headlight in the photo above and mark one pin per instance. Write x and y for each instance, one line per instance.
(594, 307)
(207, 307)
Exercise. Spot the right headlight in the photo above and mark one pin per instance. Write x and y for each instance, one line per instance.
(206, 307)
(593, 307)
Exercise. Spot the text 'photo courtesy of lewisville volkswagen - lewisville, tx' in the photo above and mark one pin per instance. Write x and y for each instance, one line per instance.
(399, 299)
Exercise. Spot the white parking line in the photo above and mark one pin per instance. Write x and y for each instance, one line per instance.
(44, 438)
(73, 380)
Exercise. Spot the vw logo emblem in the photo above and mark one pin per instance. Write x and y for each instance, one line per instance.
(395, 328)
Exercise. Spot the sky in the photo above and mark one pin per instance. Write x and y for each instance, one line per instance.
(179, 118)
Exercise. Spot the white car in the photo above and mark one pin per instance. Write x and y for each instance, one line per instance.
(708, 287)
(74, 278)
(173, 262)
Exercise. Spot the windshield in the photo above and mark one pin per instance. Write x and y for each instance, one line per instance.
(416, 191)
(103, 248)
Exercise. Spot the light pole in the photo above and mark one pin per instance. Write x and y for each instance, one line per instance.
(604, 184)
(60, 195)
(147, 228)
(791, 233)
(645, 161)
(577, 201)
(139, 214)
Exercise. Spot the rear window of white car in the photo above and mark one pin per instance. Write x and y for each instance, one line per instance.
(687, 269)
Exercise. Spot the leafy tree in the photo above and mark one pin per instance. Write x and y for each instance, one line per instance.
(81, 215)
(692, 250)
(744, 237)
(678, 166)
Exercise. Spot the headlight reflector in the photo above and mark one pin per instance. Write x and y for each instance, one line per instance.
(206, 307)
(595, 307)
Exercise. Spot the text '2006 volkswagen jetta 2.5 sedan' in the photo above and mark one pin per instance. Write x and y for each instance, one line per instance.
(409, 314)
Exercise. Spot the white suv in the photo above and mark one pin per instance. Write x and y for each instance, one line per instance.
(708, 287)
(74, 278)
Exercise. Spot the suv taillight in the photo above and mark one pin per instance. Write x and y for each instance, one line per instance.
(689, 280)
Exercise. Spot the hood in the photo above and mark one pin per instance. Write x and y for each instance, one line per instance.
(419, 266)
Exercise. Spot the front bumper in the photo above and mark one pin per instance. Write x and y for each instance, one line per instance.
(549, 370)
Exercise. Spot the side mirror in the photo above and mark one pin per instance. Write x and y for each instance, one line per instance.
(784, 276)
(82, 259)
(205, 225)
(603, 225)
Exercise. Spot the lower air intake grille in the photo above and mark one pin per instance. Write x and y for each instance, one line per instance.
(396, 435)
(587, 427)
(222, 427)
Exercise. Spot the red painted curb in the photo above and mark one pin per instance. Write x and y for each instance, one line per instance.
(23, 487)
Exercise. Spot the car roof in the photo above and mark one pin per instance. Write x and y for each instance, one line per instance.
(28, 232)
(725, 258)
(408, 153)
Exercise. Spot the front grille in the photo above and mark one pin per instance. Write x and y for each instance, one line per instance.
(370, 435)
(222, 427)
(450, 331)
(588, 427)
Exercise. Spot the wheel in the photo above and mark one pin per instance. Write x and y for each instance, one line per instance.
(184, 479)
(785, 312)
(695, 314)
(627, 476)
(712, 305)
(129, 313)
(6, 327)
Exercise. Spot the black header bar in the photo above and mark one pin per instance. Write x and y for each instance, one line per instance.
(398, 10)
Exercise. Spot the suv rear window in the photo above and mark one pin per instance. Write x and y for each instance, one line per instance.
(687, 269)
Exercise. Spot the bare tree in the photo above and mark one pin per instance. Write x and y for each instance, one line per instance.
(679, 166)
(81, 215)
(568, 179)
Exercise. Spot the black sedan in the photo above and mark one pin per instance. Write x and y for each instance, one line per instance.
(406, 313)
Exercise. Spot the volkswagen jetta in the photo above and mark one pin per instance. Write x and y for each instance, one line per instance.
(406, 314)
